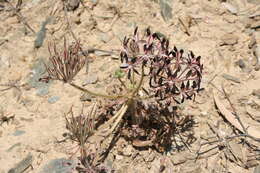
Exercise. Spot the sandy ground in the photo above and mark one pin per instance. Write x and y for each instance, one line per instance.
(224, 34)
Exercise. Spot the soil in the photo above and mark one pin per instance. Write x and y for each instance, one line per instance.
(225, 34)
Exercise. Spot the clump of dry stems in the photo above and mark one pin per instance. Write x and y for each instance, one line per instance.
(154, 78)
(81, 127)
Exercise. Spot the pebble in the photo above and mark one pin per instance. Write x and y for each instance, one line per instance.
(127, 151)
(19, 132)
(86, 97)
(256, 51)
(119, 157)
(38, 69)
(252, 42)
(256, 93)
(257, 169)
(257, 2)
(53, 99)
(255, 24)
(61, 165)
(42, 91)
(231, 8)
(240, 63)
(228, 39)
(13, 146)
(91, 79)
(166, 9)
(72, 5)
(231, 78)
(22, 165)
(104, 37)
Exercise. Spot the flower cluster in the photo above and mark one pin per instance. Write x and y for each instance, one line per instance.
(173, 75)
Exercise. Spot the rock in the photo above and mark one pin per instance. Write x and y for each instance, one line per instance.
(256, 52)
(256, 93)
(40, 35)
(255, 24)
(91, 79)
(231, 78)
(252, 42)
(38, 69)
(149, 157)
(257, 169)
(240, 63)
(18, 132)
(128, 150)
(53, 99)
(104, 37)
(61, 165)
(257, 2)
(22, 165)
(13, 146)
(230, 7)
(86, 97)
(119, 157)
(228, 39)
(72, 5)
(155, 165)
(42, 91)
(166, 9)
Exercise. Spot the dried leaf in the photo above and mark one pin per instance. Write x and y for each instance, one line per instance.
(252, 131)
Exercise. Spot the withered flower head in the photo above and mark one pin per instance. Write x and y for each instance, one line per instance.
(64, 65)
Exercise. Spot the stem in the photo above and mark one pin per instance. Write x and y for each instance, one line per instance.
(96, 94)
(140, 82)
(123, 84)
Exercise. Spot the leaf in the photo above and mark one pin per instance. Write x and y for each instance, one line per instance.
(119, 73)
(252, 131)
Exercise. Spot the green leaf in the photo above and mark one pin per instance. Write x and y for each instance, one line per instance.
(119, 73)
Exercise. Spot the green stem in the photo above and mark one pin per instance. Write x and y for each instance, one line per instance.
(140, 82)
(96, 94)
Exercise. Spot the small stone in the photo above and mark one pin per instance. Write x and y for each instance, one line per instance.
(256, 93)
(59, 166)
(254, 1)
(104, 37)
(42, 91)
(229, 39)
(230, 7)
(252, 42)
(13, 146)
(86, 97)
(204, 113)
(257, 169)
(127, 151)
(255, 24)
(53, 99)
(91, 79)
(73, 5)
(150, 157)
(119, 157)
(26, 119)
(166, 9)
(231, 78)
(77, 20)
(38, 70)
(18, 132)
(256, 52)
(240, 63)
